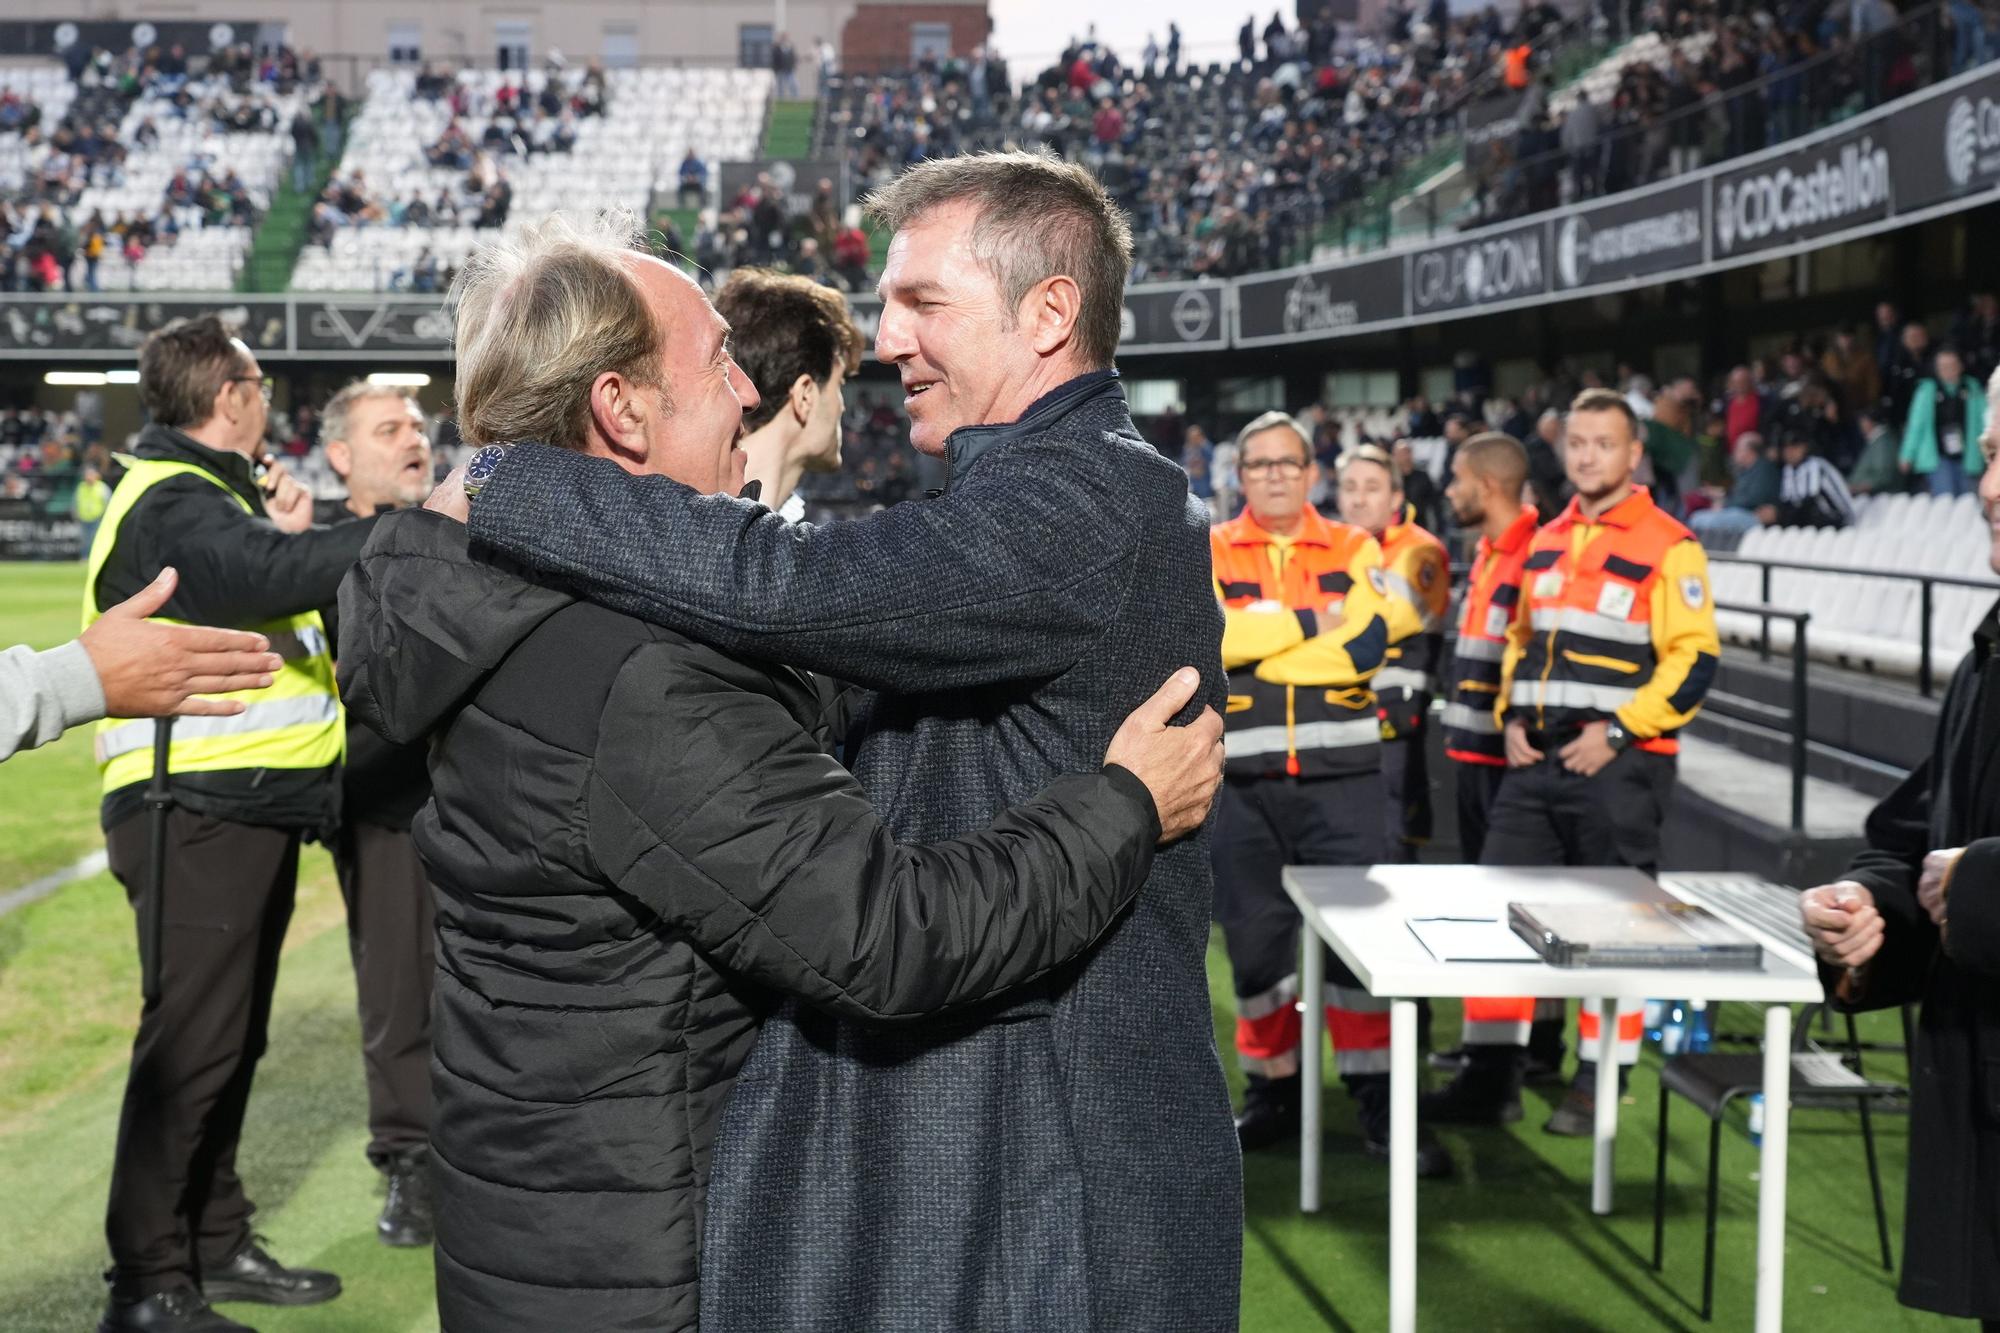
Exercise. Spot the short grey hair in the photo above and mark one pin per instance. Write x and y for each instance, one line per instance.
(1273, 420)
(334, 417)
(539, 316)
(1038, 217)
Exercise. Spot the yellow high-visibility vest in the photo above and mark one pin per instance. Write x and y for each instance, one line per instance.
(295, 723)
(91, 499)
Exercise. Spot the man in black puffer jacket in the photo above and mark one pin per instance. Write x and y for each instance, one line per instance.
(639, 842)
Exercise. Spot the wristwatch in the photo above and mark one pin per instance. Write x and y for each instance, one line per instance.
(480, 469)
(1616, 736)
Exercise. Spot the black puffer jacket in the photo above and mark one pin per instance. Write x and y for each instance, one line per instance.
(636, 840)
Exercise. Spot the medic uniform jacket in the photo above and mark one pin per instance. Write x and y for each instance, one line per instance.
(1306, 624)
(1615, 621)
(1416, 571)
(1471, 713)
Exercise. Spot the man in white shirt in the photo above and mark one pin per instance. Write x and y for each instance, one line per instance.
(797, 343)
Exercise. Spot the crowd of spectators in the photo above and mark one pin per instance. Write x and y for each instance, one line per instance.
(49, 242)
(758, 225)
(1788, 439)
(42, 451)
(1225, 169)
(1734, 79)
(517, 123)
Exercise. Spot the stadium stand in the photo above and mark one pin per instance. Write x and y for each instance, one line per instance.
(479, 147)
(145, 172)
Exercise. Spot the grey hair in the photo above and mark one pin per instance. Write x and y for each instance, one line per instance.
(1273, 420)
(333, 418)
(540, 314)
(1037, 218)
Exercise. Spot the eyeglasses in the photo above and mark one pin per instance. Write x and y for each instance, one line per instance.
(1283, 467)
(264, 384)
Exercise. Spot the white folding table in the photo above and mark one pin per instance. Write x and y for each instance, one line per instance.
(1363, 913)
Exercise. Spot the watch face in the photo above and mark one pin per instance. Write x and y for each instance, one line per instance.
(483, 465)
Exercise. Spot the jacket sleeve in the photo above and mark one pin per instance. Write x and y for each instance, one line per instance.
(42, 695)
(1898, 832)
(1519, 631)
(1408, 678)
(1921, 425)
(747, 837)
(1971, 934)
(1686, 649)
(1349, 653)
(236, 569)
(1002, 578)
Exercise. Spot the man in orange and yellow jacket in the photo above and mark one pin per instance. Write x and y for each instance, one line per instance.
(1417, 571)
(1610, 653)
(1308, 618)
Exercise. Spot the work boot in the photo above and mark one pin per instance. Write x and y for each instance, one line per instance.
(1487, 1090)
(1270, 1116)
(254, 1275)
(1371, 1104)
(167, 1312)
(1576, 1116)
(406, 1209)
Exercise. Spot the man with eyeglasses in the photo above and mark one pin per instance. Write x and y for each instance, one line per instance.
(200, 493)
(1308, 617)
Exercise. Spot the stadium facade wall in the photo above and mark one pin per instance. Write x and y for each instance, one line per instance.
(356, 33)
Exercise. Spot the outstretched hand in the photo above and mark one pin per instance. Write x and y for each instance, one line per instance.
(153, 670)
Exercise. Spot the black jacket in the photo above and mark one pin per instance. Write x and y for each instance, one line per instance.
(236, 570)
(635, 839)
(381, 783)
(1079, 1141)
(1951, 1235)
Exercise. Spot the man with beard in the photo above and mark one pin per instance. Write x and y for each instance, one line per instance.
(1077, 1141)
(375, 443)
(1610, 653)
(1485, 496)
(1915, 922)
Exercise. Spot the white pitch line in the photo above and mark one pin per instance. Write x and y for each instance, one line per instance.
(48, 884)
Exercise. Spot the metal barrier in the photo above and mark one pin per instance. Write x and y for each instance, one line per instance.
(1927, 596)
(1793, 719)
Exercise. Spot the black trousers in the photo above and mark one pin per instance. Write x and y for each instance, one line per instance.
(1406, 776)
(1477, 787)
(177, 1206)
(1263, 825)
(1546, 815)
(390, 923)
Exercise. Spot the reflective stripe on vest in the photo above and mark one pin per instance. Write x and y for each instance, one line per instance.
(1574, 620)
(1589, 608)
(295, 723)
(1402, 678)
(1477, 721)
(1481, 650)
(1252, 741)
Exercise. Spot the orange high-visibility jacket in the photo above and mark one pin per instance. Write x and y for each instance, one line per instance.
(1471, 717)
(1615, 620)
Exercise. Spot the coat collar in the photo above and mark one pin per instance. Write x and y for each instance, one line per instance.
(1624, 514)
(1315, 529)
(165, 444)
(1517, 535)
(967, 444)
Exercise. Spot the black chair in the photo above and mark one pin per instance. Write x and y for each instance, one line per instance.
(1821, 1080)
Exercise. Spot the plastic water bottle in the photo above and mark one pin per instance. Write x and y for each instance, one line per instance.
(1655, 1015)
(1674, 1032)
(1701, 1026)
(1757, 1118)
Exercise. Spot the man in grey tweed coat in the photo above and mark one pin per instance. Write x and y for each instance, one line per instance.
(1066, 1162)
